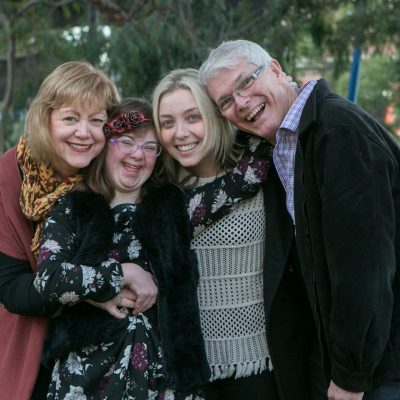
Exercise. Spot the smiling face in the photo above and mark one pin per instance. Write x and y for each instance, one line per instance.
(260, 109)
(183, 132)
(128, 172)
(76, 134)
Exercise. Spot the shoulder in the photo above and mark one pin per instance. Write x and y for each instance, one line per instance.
(333, 110)
(9, 171)
(330, 115)
(164, 208)
(166, 195)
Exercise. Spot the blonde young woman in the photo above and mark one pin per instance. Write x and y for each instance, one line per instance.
(63, 134)
(200, 146)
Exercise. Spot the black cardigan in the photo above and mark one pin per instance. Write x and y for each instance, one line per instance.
(164, 229)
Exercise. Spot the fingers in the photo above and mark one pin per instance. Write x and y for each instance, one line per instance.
(127, 294)
(118, 306)
(117, 313)
(123, 302)
(146, 300)
(141, 283)
(142, 306)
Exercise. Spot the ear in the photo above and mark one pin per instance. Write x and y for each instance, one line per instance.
(277, 69)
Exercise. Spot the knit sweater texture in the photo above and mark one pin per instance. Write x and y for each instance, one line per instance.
(230, 255)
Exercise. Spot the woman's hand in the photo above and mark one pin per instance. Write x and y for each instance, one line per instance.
(142, 284)
(118, 305)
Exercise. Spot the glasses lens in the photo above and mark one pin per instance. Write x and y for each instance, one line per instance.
(126, 145)
(225, 104)
(246, 83)
(151, 148)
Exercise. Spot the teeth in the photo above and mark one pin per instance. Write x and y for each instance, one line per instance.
(80, 146)
(255, 111)
(187, 147)
(129, 166)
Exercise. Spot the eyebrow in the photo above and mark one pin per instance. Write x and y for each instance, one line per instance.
(184, 112)
(191, 110)
(70, 110)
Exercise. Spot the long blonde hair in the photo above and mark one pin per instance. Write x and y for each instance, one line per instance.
(220, 135)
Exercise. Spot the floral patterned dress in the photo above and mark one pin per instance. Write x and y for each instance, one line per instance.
(131, 367)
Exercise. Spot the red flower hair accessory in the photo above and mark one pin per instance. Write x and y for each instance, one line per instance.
(125, 122)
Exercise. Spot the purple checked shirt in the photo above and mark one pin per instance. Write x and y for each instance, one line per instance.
(286, 142)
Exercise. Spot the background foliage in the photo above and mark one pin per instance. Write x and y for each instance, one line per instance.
(137, 41)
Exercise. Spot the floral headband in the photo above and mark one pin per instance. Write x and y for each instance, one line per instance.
(124, 122)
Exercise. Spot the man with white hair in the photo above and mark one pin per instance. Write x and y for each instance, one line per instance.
(333, 239)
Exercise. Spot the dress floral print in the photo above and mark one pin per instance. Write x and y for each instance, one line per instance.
(131, 366)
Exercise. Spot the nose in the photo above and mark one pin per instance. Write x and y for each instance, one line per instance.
(241, 100)
(181, 132)
(137, 152)
(82, 130)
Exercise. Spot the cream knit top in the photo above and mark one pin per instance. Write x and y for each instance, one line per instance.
(230, 255)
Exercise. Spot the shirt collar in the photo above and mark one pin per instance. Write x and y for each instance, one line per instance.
(292, 118)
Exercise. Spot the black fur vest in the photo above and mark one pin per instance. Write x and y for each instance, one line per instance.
(164, 229)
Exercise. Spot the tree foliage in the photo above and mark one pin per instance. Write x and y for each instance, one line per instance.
(138, 41)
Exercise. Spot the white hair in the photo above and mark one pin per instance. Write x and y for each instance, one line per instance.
(231, 53)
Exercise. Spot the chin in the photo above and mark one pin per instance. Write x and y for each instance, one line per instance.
(187, 163)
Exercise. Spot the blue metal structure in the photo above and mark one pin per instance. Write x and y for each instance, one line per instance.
(354, 75)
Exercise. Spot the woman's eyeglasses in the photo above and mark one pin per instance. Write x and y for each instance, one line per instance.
(130, 146)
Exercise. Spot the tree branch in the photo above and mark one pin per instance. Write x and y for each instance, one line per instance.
(10, 57)
(33, 3)
(112, 11)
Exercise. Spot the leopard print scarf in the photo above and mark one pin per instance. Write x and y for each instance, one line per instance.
(40, 189)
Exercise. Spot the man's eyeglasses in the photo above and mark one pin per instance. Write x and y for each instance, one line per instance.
(129, 146)
(240, 90)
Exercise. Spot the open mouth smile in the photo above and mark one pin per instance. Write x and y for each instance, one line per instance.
(80, 147)
(186, 147)
(130, 167)
(252, 115)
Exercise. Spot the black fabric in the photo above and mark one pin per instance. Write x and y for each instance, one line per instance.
(83, 324)
(42, 383)
(347, 208)
(290, 326)
(165, 230)
(256, 387)
(77, 327)
(17, 292)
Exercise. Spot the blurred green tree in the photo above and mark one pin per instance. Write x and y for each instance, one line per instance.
(138, 41)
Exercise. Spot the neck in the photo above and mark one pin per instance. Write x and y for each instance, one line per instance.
(207, 168)
(126, 198)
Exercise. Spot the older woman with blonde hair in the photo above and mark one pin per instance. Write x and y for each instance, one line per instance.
(63, 134)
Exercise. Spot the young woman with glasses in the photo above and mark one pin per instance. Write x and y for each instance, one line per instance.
(130, 219)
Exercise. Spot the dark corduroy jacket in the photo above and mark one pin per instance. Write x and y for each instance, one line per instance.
(164, 229)
(347, 212)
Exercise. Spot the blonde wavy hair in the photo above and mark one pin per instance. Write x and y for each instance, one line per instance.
(71, 83)
(220, 134)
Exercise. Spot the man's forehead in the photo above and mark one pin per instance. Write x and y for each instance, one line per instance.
(225, 79)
